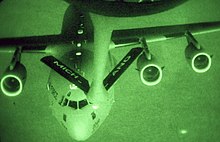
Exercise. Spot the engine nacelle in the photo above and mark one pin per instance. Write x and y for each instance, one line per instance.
(150, 73)
(13, 81)
(199, 60)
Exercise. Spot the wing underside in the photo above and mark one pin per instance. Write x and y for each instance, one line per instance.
(154, 34)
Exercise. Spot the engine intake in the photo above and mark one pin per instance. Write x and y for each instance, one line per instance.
(150, 73)
(13, 81)
(199, 60)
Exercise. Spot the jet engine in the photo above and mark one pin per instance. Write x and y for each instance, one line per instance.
(13, 80)
(150, 73)
(14, 77)
(199, 60)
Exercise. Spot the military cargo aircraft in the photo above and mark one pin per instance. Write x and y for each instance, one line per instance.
(81, 81)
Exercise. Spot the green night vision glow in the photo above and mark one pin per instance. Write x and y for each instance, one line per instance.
(201, 62)
(11, 85)
(151, 74)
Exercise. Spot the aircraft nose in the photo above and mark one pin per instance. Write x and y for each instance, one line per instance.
(79, 130)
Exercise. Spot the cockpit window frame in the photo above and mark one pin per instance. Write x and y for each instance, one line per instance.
(67, 102)
(64, 102)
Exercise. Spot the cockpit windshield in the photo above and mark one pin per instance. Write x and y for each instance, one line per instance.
(73, 104)
(82, 103)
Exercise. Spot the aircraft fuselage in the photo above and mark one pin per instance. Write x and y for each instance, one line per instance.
(79, 113)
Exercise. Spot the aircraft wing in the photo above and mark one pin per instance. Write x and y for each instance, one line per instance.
(132, 37)
(152, 34)
(33, 42)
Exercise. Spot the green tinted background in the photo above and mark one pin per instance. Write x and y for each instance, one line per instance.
(185, 106)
